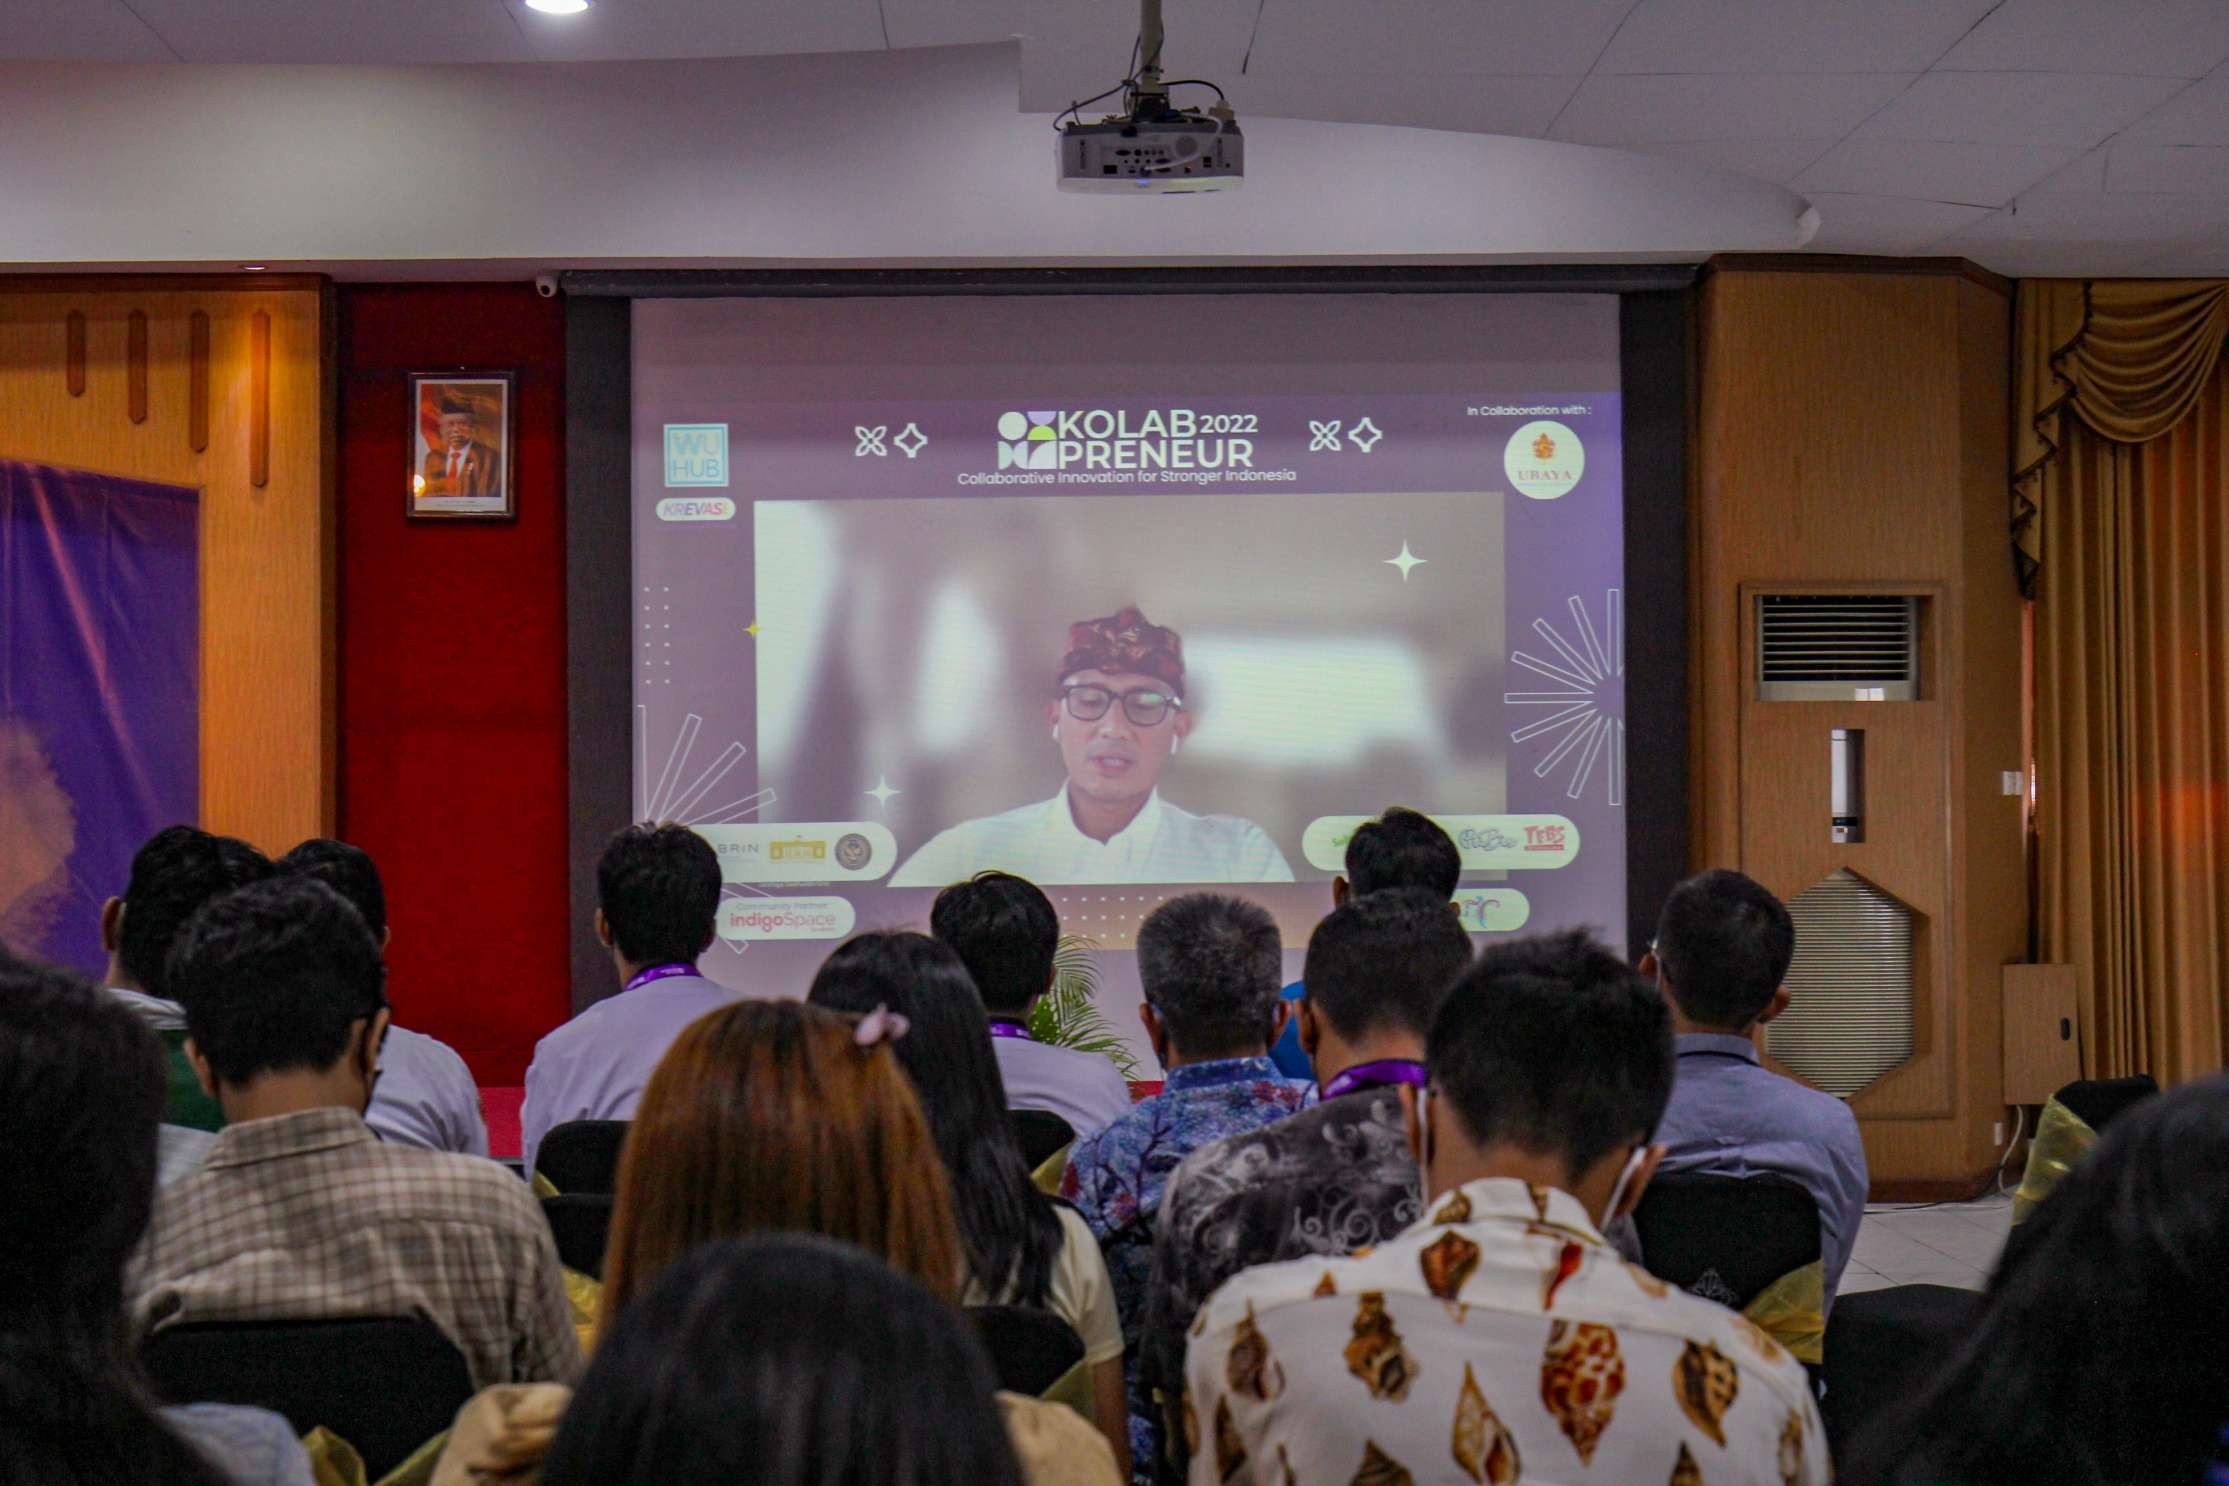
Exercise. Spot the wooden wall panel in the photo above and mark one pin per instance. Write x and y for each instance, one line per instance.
(1852, 436)
(183, 412)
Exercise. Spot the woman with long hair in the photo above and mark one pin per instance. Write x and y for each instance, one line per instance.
(2091, 1363)
(784, 1360)
(1023, 1247)
(81, 1082)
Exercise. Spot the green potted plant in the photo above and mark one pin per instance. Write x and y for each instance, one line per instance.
(1068, 1015)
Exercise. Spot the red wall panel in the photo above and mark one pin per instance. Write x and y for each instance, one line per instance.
(452, 675)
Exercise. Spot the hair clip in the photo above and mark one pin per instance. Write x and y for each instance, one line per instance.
(880, 1025)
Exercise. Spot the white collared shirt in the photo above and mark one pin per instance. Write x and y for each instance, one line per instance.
(1041, 842)
(1500, 1339)
(1083, 1088)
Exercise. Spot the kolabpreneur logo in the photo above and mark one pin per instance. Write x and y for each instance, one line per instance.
(1117, 439)
(1544, 459)
(1028, 441)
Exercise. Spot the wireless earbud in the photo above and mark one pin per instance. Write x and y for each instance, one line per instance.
(1056, 732)
(1174, 743)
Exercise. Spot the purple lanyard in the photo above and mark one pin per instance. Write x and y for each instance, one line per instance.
(1377, 1075)
(1010, 1029)
(659, 972)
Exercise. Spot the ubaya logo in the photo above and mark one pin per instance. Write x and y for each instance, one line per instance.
(1101, 439)
(696, 454)
(1544, 459)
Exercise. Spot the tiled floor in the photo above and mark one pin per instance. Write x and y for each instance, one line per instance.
(1956, 1244)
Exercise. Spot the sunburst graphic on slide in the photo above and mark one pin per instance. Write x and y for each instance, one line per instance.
(1579, 725)
(682, 792)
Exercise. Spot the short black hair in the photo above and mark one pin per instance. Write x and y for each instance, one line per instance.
(1402, 848)
(659, 887)
(1553, 1045)
(273, 976)
(1006, 933)
(175, 871)
(1383, 961)
(1210, 967)
(1725, 944)
(347, 870)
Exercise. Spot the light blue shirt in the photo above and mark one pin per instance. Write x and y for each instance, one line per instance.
(250, 1447)
(426, 1097)
(1730, 1116)
(596, 1066)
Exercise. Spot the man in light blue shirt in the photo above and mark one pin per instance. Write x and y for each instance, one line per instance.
(1721, 954)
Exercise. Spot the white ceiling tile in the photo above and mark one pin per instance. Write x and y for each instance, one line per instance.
(1421, 36)
(1776, 160)
(2157, 38)
(1202, 35)
(1637, 110)
(2124, 216)
(77, 31)
(632, 31)
(1975, 174)
(1474, 105)
(392, 32)
(2206, 260)
(2086, 175)
(2199, 114)
(2019, 259)
(2061, 108)
(2201, 170)
(1788, 35)
(1852, 223)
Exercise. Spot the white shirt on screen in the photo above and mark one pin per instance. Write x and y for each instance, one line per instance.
(596, 1065)
(1082, 1088)
(426, 1097)
(1041, 842)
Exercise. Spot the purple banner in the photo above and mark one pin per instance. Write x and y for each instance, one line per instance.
(99, 708)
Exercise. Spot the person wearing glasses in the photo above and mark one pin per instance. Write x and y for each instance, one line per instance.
(1117, 711)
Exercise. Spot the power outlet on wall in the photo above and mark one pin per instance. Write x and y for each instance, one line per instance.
(1997, 1134)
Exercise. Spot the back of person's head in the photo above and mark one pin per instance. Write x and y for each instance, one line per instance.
(1402, 848)
(1724, 943)
(347, 870)
(175, 871)
(772, 1116)
(81, 1081)
(784, 1361)
(659, 888)
(278, 977)
(2093, 1362)
(1210, 966)
(1382, 962)
(1011, 1231)
(1551, 1045)
(1006, 933)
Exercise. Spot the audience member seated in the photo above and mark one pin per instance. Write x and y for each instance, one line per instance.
(1007, 933)
(1502, 1327)
(82, 1083)
(785, 1361)
(658, 905)
(2091, 1363)
(175, 871)
(1329, 1180)
(300, 1212)
(1022, 1247)
(1401, 848)
(426, 1096)
(1209, 967)
(1722, 948)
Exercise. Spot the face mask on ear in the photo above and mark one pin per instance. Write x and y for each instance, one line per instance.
(1424, 1131)
(1625, 1179)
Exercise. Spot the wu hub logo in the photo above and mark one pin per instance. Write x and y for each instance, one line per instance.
(1028, 441)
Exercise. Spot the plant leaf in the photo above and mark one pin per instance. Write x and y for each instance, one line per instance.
(1068, 1014)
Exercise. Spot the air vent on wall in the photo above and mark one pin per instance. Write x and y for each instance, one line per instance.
(1837, 647)
(1851, 1017)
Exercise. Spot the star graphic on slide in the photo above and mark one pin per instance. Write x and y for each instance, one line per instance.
(1406, 561)
(751, 629)
(1365, 434)
(882, 792)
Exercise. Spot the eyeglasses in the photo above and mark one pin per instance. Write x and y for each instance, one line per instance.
(1145, 707)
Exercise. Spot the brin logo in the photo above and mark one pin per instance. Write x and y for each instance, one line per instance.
(1028, 441)
(1544, 459)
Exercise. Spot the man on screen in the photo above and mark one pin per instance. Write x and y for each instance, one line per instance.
(1117, 711)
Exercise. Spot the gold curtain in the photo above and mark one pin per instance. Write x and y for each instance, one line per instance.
(2121, 523)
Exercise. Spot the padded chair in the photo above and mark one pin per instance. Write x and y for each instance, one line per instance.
(1030, 1349)
(386, 1385)
(1726, 1238)
(2097, 1102)
(1882, 1346)
(582, 1155)
(581, 1223)
(1042, 1134)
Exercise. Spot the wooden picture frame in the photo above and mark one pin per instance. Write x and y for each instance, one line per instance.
(463, 434)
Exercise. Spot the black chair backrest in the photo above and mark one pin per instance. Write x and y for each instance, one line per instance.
(386, 1385)
(1042, 1133)
(1881, 1347)
(582, 1155)
(1030, 1349)
(1726, 1237)
(581, 1223)
(2097, 1102)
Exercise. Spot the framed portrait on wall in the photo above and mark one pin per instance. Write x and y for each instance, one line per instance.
(461, 427)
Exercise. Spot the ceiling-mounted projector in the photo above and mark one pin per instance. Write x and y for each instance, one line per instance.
(1152, 145)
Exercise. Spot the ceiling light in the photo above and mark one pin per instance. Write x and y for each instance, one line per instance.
(559, 7)
(253, 267)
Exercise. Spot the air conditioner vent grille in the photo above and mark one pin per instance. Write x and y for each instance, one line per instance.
(1851, 1017)
(1837, 645)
